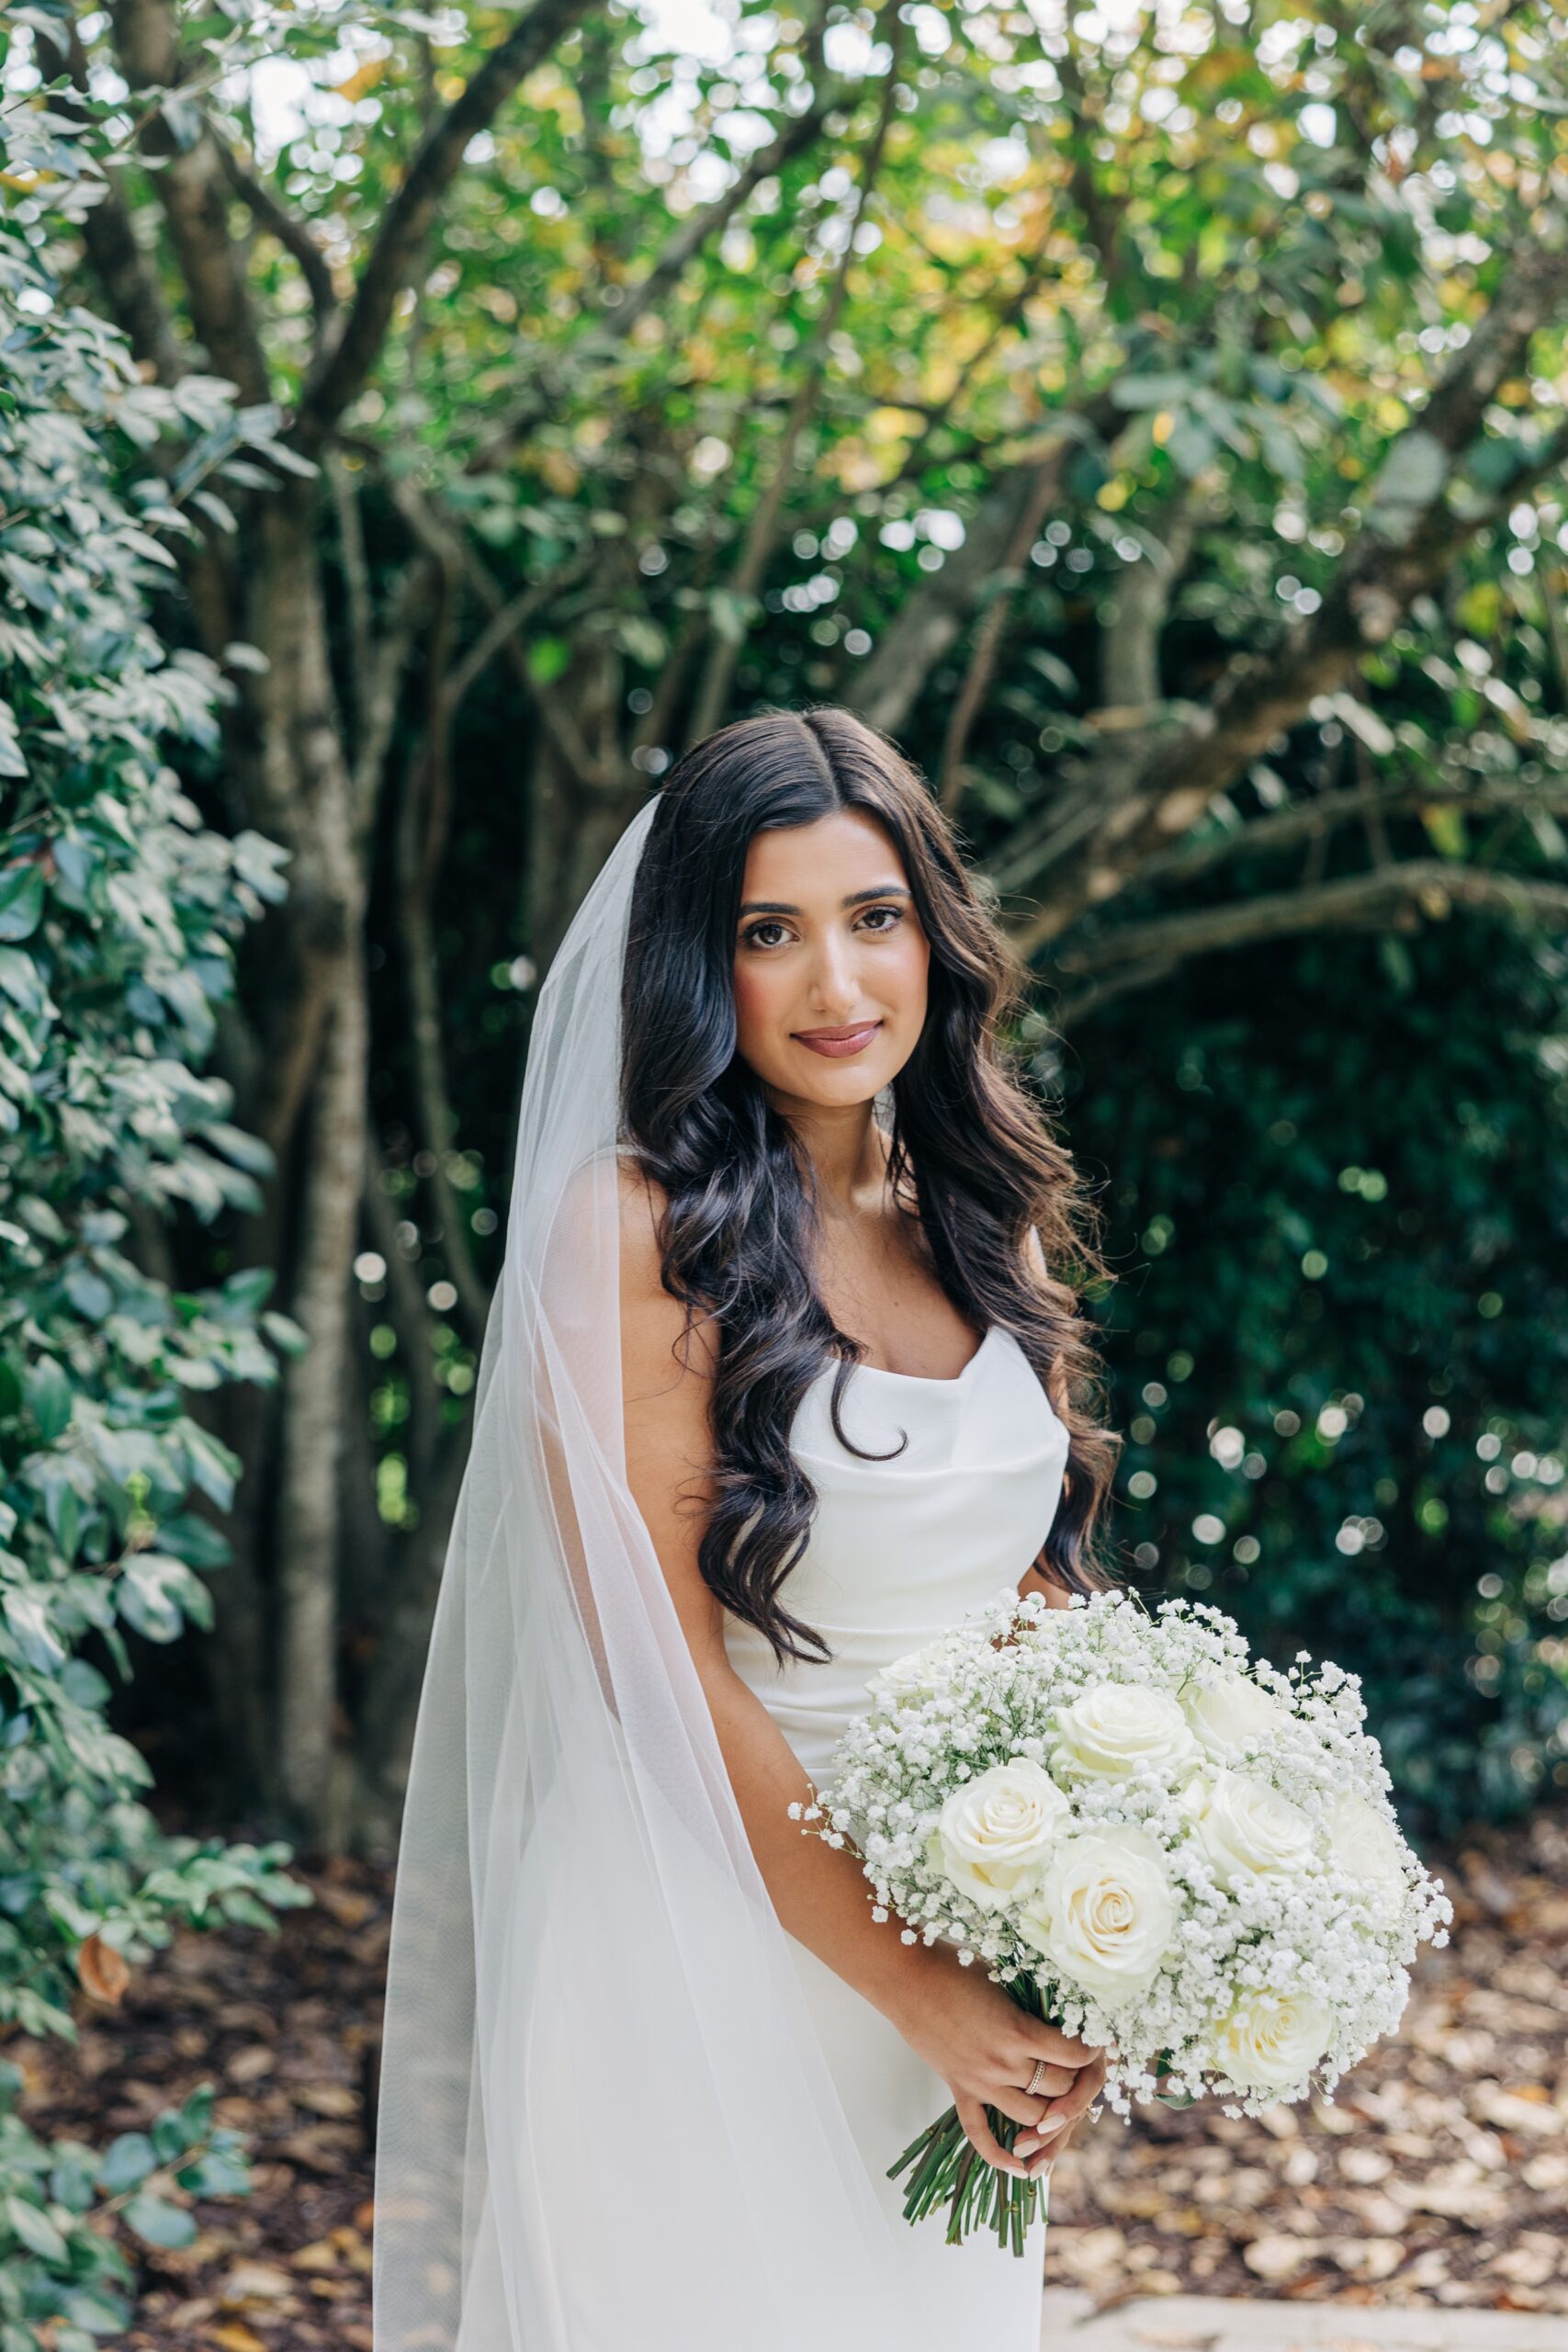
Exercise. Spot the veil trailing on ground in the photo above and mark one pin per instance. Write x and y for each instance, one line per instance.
(594, 2029)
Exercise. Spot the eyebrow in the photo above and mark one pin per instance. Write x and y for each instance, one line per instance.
(855, 899)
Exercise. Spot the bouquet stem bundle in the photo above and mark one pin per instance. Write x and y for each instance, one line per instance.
(948, 2171)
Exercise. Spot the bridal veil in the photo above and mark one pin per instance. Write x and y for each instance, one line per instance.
(606, 2119)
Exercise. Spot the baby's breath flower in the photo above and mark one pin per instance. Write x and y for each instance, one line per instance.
(1313, 1934)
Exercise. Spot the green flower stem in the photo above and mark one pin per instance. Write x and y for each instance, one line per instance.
(945, 2171)
(948, 2174)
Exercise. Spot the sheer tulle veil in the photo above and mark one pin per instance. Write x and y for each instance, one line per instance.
(595, 2037)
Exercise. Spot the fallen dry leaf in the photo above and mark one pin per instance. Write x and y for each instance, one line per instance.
(1370, 2258)
(323, 2255)
(103, 1971)
(255, 2282)
(1274, 2258)
(327, 2099)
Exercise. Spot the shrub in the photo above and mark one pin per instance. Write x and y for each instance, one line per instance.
(119, 911)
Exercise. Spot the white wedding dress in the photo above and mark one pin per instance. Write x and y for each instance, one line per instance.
(899, 1550)
(608, 2229)
(620, 2110)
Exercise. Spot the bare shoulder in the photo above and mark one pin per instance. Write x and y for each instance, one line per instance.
(642, 1204)
(666, 1384)
(657, 1351)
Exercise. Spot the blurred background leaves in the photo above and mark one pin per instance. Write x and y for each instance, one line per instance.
(1156, 419)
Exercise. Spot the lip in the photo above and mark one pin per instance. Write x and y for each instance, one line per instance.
(838, 1044)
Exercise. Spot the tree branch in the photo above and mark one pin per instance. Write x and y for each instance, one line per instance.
(713, 695)
(1129, 648)
(291, 234)
(422, 829)
(344, 367)
(1435, 884)
(934, 614)
(555, 378)
(379, 687)
(130, 289)
(356, 573)
(1306, 821)
(192, 187)
(1103, 218)
(1138, 792)
(555, 711)
(951, 773)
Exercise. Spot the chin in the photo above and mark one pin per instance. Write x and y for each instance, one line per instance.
(833, 1084)
(842, 1086)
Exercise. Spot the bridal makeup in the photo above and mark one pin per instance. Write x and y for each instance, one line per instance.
(830, 961)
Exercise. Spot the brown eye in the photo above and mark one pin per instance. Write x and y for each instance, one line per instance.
(753, 938)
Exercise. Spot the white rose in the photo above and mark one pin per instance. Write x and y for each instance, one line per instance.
(1105, 1912)
(997, 1830)
(1191, 1800)
(1272, 2041)
(1245, 1825)
(1116, 1728)
(1368, 1846)
(919, 1674)
(1230, 1715)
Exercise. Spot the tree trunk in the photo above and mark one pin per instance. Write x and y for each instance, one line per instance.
(313, 1401)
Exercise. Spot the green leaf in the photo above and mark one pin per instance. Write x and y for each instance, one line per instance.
(244, 1150)
(219, 2173)
(95, 2311)
(27, 1613)
(50, 1399)
(196, 1541)
(157, 1594)
(284, 1333)
(22, 982)
(548, 659)
(214, 1465)
(1152, 392)
(21, 900)
(158, 2223)
(12, 762)
(250, 1289)
(35, 2231)
(126, 2163)
(88, 1293)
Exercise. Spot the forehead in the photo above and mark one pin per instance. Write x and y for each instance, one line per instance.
(819, 862)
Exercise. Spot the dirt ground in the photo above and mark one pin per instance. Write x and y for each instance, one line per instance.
(1438, 2175)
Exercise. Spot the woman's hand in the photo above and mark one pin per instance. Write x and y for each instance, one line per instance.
(1044, 2142)
(984, 2047)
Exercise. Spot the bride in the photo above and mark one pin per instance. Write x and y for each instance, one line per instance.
(779, 1382)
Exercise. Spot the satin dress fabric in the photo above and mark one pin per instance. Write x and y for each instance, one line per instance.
(899, 1550)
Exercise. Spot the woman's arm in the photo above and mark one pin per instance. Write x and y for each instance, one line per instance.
(960, 2023)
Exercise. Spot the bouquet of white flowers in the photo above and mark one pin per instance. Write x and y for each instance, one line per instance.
(1166, 1847)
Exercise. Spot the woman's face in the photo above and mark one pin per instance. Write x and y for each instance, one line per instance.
(830, 961)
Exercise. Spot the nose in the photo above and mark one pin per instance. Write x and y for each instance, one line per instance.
(835, 979)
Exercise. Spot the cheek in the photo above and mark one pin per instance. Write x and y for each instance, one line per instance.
(907, 975)
(758, 1005)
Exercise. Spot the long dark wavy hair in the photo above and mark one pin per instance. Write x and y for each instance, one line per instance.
(969, 1152)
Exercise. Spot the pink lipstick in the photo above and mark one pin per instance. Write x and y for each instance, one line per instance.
(837, 1042)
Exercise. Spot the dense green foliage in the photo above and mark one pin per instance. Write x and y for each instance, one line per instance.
(1337, 1197)
(118, 914)
(1157, 420)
